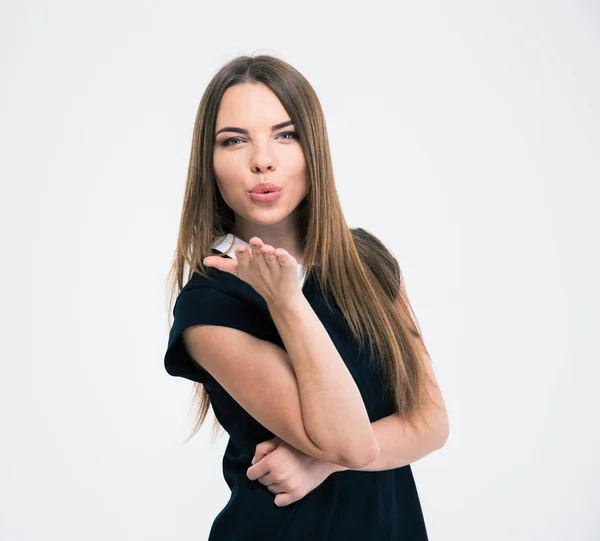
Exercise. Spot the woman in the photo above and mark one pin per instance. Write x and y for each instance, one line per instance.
(273, 323)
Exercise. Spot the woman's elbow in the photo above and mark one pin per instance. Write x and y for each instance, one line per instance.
(356, 461)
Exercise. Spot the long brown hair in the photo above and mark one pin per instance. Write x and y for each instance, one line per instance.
(352, 265)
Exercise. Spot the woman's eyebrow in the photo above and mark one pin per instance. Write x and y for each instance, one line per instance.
(245, 132)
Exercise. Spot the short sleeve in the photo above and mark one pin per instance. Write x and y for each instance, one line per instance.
(206, 305)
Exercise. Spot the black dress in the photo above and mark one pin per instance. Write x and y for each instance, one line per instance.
(348, 505)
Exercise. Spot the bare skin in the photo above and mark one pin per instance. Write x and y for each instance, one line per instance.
(286, 472)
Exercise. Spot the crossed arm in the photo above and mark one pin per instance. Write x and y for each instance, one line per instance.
(399, 443)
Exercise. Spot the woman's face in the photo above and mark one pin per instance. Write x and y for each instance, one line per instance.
(243, 159)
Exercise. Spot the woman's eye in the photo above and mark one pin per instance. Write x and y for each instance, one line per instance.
(290, 133)
(226, 142)
(229, 142)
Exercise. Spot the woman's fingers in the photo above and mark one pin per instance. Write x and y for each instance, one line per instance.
(256, 244)
(266, 252)
(284, 258)
(258, 256)
(269, 254)
(270, 257)
(242, 254)
(222, 263)
(262, 266)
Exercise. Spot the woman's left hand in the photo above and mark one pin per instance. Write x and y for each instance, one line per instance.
(287, 472)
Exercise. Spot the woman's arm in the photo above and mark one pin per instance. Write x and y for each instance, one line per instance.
(334, 414)
(399, 443)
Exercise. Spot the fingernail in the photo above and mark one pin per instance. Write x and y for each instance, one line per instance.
(253, 459)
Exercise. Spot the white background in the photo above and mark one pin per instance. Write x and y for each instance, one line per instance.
(465, 134)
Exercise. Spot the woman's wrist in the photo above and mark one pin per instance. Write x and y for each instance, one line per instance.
(286, 304)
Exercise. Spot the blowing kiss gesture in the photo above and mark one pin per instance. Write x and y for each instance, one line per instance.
(272, 272)
(287, 472)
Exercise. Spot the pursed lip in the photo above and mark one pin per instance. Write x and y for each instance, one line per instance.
(265, 187)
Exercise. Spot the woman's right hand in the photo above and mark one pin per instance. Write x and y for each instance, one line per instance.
(287, 472)
(272, 272)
